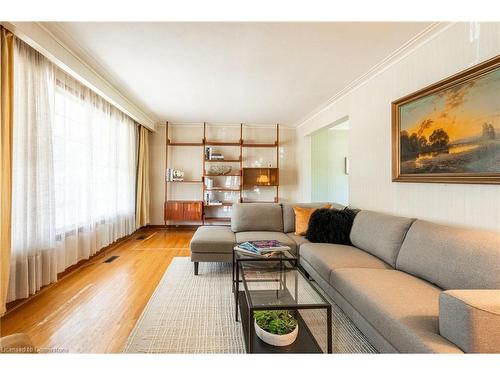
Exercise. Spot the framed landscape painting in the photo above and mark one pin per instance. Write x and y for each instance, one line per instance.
(449, 132)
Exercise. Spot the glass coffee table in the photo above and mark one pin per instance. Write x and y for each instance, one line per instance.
(276, 283)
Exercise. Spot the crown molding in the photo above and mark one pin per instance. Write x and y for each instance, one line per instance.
(67, 54)
(71, 45)
(399, 54)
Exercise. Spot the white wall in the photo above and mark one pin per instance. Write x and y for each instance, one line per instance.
(189, 159)
(369, 109)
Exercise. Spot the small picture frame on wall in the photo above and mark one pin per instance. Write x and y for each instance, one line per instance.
(449, 132)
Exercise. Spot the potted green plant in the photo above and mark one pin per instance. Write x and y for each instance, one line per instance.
(276, 327)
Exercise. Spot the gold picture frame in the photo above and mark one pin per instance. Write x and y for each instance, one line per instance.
(449, 132)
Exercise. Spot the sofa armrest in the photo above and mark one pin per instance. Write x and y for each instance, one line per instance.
(16, 344)
(471, 319)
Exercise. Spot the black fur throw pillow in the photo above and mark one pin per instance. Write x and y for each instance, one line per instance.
(331, 226)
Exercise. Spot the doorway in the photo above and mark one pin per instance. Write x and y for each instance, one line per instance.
(330, 163)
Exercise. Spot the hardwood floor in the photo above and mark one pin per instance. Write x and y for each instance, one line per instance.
(94, 309)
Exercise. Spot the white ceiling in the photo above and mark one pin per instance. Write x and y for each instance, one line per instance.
(232, 72)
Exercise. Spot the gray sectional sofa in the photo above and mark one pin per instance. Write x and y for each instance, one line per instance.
(409, 285)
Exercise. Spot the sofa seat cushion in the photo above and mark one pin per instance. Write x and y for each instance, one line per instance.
(299, 240)
(401, 307)
(213, 239)
(324, 257)
(261, 235)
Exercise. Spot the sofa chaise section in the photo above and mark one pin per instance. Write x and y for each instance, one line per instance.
(212, 244)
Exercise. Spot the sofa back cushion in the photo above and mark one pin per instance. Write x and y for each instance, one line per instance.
(289, 214)
(257, 216)
(379, 234)
(450, 257)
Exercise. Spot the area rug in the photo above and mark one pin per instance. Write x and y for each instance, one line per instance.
(195, 314)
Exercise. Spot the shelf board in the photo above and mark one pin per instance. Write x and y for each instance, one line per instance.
(259, 144)
(256, 185)
(184, 201)
(260, 168)
(259, 201)
(186, 182)
(223, 161)
(211, 143)
(224, 204)
(220, 189)
(222, 175)
(198, 144)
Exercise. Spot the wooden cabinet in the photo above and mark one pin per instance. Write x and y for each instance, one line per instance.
(193, 211)
(183, 210)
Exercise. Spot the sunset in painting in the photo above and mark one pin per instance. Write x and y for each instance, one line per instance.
(456, 130)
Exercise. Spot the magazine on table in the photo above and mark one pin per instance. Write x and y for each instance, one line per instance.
(262, 248)
(268, 254)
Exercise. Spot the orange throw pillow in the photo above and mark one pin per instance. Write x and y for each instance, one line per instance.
(302, 216)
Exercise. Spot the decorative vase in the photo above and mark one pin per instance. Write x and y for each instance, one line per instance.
(276, 340)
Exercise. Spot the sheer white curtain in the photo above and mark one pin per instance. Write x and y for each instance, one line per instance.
(94, 168)
(74, 173)
(33, 255)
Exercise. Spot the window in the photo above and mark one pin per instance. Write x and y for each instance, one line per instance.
(94, 160)
(74, 173)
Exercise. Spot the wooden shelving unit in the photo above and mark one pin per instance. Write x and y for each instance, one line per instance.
(206, 215)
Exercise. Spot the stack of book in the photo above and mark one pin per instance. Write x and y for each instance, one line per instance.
(264, 248)
(216, 156)
(211, 154)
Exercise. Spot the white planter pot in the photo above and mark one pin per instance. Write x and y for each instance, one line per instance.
(276, 340)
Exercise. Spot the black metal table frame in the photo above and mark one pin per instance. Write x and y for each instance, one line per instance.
(236, 282)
